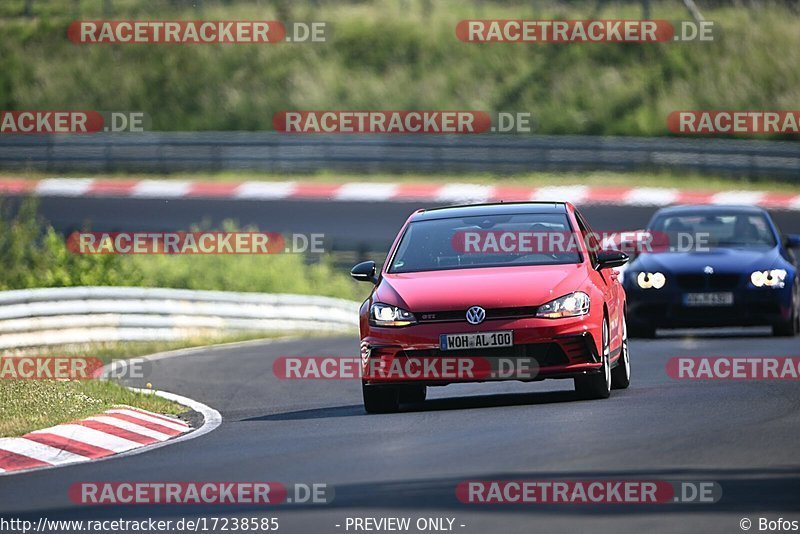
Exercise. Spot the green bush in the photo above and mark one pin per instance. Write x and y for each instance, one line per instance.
(33, 254)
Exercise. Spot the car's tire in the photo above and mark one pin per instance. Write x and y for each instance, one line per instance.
(380, 399)
(788, 329)
(642, 331)
(621, 374)
(597, 385)
(413, 394)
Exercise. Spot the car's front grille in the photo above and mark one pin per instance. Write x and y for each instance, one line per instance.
(455, 316)
(708, 282)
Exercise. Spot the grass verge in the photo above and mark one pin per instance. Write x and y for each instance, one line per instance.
(34, 404)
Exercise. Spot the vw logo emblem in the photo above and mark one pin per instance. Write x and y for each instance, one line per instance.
(708, 270)
(476, 315)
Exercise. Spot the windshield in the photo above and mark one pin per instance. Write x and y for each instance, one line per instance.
(503, 240)
(716, 230)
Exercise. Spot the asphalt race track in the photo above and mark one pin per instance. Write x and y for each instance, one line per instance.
(347, 225)
(740, 434)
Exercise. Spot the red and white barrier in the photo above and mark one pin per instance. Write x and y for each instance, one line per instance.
(388, 192)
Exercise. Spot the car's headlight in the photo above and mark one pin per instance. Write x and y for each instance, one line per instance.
(651, 280)
(570, 305)
(773, 278)
(386, 315)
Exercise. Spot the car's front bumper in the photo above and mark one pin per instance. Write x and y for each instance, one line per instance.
(560, 348)
(666, 309)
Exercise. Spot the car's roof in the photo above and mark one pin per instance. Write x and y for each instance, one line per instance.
(709, 208)
(498, 208)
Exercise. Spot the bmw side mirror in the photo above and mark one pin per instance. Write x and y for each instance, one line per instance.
(611, 258)
(792, 241)
(364, 272)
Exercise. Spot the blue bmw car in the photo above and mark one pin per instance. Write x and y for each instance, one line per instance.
(715, 266)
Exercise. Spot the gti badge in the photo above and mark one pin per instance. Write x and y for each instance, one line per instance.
(708, 270)
(476, 315)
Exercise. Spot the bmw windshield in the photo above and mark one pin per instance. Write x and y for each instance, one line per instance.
(716, 229)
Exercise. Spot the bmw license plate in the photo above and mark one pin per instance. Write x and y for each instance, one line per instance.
(476, 340)
(708, 299)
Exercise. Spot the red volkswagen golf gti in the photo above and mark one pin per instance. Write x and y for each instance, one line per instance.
(509, 291)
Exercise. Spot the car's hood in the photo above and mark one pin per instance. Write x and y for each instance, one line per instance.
(727, 260)
(498, 287)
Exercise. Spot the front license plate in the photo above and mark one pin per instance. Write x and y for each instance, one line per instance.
(708, 299)
(477, 340)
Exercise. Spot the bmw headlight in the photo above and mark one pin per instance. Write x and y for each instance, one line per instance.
(571, 305)
(386, 315)
(651, 280)
(773, 278)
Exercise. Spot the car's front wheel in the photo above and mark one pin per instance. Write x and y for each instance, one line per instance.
(597, 385)
(621, 374)
(380, 399)
(789, 328)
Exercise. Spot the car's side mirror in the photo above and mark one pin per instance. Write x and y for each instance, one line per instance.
(611, 258)
(792, 241)
(364, 272)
